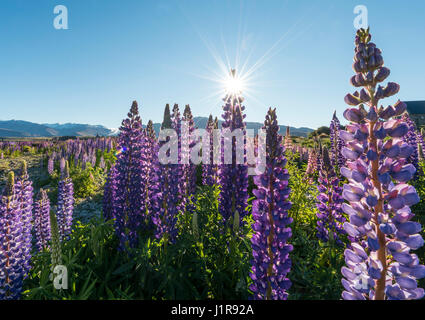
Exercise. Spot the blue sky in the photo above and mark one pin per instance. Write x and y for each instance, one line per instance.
(159, 52)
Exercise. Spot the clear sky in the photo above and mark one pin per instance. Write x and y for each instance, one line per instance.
(156, 52)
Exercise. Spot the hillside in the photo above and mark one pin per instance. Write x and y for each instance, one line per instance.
(22, 129)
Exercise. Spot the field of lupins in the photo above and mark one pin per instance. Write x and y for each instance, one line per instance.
(337, 221)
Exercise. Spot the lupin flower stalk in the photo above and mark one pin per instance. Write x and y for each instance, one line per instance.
(189, 170)
(233, 177)
(56, 251)
(42, 220)
(411, 138)
(12, 243)
(195, 225)
(330, 217)
(50, 166)
(210, 170)
(25, 193)
(102, 163)
(270, 250)
(65, 203)
(288, 142)
(337, 143)
(177, 169)
(165, 193)
(61, 165)
(109, 192)
(151, 147)
(312, 163)
(379, 263)
(130, 180)
(421, 141)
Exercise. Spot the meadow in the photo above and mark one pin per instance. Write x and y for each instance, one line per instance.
(336, 215)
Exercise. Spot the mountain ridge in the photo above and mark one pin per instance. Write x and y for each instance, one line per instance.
(27, 129)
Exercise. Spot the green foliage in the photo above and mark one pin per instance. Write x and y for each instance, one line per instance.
(319, 131)
(88, 181)
(211, 264)
(303, 194)
(315, 272)
(209, 260)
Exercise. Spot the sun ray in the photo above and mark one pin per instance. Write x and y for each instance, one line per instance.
(245, 81)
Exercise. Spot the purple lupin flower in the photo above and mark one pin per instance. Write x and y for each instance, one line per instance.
(311, 164)
(287, 141)
(12, 243)
(25, 193)
(233, 177)
(61, 165)
(165, 193)
(271, 262)
(189, 169)
(151, 147)
(65, 203)
(42, 220)
(177, 169)
(330, 218)
(336, 143)
(50, 165)
(102, 163)
(109, 194)
(411, 138)
(379, 264)
(210, 170)
(421, 140)
(84, 160)
(421, 146)
(130, 179)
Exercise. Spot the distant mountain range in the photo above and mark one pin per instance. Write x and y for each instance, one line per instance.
(22, 129)
(201, 122)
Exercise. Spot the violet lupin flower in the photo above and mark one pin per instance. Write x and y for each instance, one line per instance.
(61, 165)
(12, 243)
(177, 169)
(189, 169)
(50, 165)
(210, 170)
(330, 218)
(271, 262)
(55, 250)
(411, 138)
(128, 200)
(165, 195)
(151, 147)
(233, 177)
(311, 164)
(65, 207)
(421, 146)
(287, 140)
(109, 194)
(336, 143)
(42, 220)
(25, 193)
(102, 163)
(379, 263)
(421, 139)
